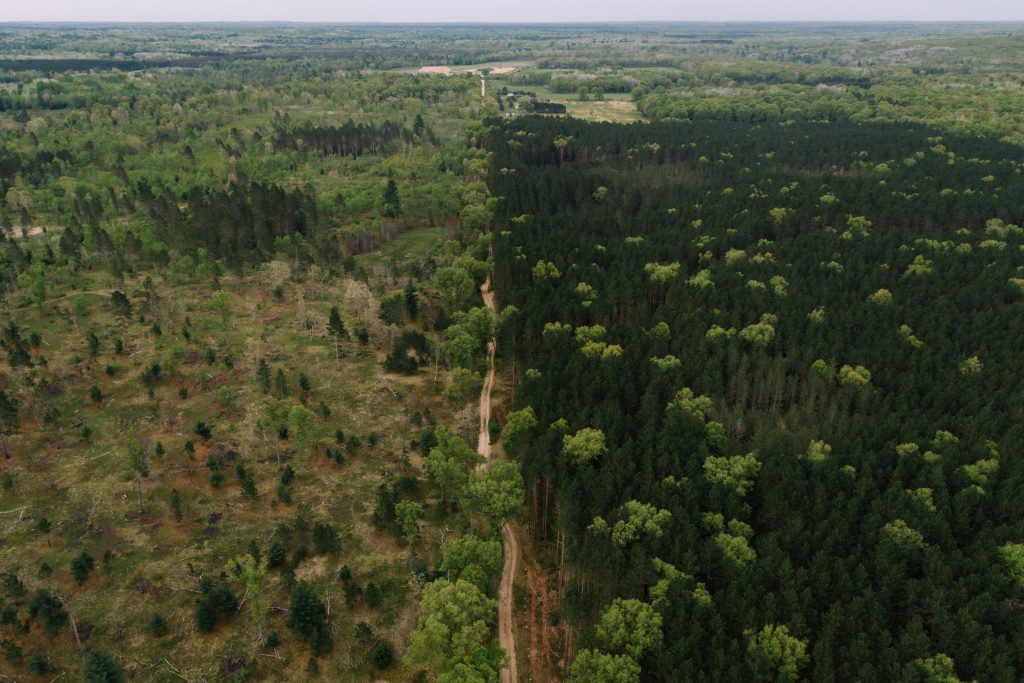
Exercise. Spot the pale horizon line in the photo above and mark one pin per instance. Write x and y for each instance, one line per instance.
(608, 22)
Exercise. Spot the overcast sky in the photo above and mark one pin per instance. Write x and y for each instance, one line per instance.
(506, 10)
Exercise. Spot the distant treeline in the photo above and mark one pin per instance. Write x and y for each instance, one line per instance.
(346, 139)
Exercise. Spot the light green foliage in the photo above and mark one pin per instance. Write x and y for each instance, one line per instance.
(924, 497)
(407, 516)
(881, 297)
(780, 285)
(301, 427)
(981, 472)
(456, 284)
(778, 215)
(858, 225)
(546, 270)
(519, 427)
(251, 574)
(34, 281)
(920, 266)
(455, 616)
(469, 334)
(1012, 557)
(820, 369)
(995, 227)
(660, 273)
(714, 435)
(584, 446)
(496, 492)
(944, 440)
(776, 655)
(760, 333)
(463, 385)
(735, 473)
(590, 333)
(908, 335)
(901, 537)
(666, 363)
(907, 450)
(601, 350)
(938, 668)
(630, 626)
(659, 592)
(556, 328)
(735, 550)
(469, 556)
(586, 293)
(592, 347)
(223, 305)
(274, 274)
(971, 366)
(701, 279)
(717, 332)
(660, 331)
(834, 266)
(818, 451)
(450, 461)
(474, 218)
(460, 347)
(734, 256)
(854, 376)
(686, 402)
(636, 520)
(592, 666)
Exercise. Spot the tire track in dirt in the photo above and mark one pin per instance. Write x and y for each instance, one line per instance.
(509, 540)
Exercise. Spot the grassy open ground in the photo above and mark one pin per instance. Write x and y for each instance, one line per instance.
(614, 107)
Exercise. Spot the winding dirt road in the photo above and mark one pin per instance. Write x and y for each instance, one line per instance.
(509, 541)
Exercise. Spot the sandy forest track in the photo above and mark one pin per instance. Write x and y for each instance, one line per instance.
(509, 541)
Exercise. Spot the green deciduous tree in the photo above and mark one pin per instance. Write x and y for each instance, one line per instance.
(735, 473)
(592, 666)
(519, 429)
(472, 558)
(301, 427)
(630, 626)
(407, 516)
(496, 492)
(455, 618)
(775, 655)
(584, 446)
(450, 461)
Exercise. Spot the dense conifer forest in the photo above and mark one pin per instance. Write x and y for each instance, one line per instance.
(769, 387)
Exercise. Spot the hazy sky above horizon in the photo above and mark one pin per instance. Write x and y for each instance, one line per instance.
(515, 11)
